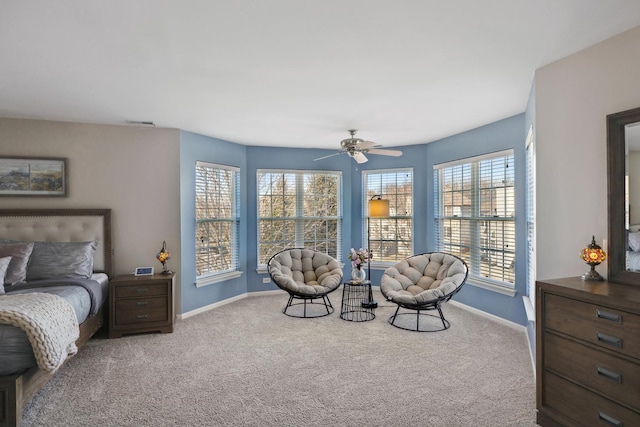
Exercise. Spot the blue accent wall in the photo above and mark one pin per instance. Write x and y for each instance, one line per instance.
(194, 147)
(293, 159)
(505, 134)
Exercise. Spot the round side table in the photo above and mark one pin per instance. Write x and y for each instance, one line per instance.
(358, 304)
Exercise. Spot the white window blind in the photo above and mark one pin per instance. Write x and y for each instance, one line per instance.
(299, 209)
(531, 211)
(217, 219)
(475, 214)
(392, 237)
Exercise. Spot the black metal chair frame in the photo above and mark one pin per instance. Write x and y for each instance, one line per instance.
(429, 305)
(306, 299)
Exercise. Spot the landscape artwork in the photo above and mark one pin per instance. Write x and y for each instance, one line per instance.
(26, 176)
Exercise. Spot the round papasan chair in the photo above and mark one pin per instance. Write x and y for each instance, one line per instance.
(423, 282)
(306, 275)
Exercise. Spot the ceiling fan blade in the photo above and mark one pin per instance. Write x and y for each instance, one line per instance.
(367, 144)
(359, 157)
(395, 153)
(325, 157)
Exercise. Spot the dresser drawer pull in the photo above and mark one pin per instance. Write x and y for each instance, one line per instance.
(608, 339)
(142, 290)
(609, 419)
(614, 376)
(142, 316)
(609, 316)
(142, 303)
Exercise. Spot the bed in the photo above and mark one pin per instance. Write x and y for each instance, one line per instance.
(57, 238)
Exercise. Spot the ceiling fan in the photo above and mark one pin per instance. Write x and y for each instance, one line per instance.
(357, 148)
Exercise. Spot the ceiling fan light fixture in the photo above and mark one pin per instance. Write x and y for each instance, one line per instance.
(356, 148)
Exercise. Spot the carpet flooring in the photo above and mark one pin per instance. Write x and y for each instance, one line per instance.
(247, 364)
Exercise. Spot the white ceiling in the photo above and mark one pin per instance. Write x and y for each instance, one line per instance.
(293, 73)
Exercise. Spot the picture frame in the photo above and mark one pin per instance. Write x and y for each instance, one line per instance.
(143, 271)
(33, 176)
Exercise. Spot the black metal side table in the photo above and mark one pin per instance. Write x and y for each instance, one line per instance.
(358, 304)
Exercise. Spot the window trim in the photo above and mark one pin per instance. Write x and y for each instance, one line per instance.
(233, 272)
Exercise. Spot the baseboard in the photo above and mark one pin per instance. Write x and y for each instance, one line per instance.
(225, 302)
(488, 315)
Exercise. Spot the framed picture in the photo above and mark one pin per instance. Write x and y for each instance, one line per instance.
(33, 176)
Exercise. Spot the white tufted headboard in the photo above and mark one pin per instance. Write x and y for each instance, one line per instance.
(62, 225)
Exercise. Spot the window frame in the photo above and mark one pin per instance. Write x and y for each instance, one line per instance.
(393, 218)
(299, 218)
(233, 270)
(474, 218)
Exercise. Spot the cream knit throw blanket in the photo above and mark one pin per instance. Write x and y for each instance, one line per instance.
(50, 323)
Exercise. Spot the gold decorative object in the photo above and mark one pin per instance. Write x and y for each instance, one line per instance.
(163, 256)
(593, 255)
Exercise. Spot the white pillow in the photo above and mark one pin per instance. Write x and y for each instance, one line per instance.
(4, 266)
(634, 241)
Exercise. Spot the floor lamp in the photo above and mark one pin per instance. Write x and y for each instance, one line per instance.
(378, 208)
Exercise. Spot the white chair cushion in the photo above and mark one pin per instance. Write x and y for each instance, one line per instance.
(305, 272)
(423, 278)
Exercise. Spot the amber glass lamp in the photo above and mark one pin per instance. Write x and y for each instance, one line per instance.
(163, 256)
(593, 255)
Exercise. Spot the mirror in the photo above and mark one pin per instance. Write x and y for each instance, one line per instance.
(622, 129)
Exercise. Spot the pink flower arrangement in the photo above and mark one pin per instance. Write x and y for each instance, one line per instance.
(359, 258)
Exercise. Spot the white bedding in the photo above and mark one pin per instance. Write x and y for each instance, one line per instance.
(633, 260)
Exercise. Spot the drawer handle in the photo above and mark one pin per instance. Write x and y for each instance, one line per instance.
(608, 339)
(142, 303)
(609, 419)
(614, 376)
(612, 317)
(142, 290)
(142, 316)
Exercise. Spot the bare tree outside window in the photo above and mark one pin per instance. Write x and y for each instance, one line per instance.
(217, 218)
(299, 209)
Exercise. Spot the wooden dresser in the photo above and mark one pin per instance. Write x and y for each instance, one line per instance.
(587, 353)
(141, 304)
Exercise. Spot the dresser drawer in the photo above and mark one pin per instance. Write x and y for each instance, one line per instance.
(141, 290)
(584, 407)
(612, 376)
(603, 326)
(141, 310)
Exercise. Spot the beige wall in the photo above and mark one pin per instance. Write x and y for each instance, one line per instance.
(132, 170)
(573, 97)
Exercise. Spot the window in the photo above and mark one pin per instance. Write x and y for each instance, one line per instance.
(217, 219)
(299, 209)
(531, 211)
(475, 215)
(391, 238)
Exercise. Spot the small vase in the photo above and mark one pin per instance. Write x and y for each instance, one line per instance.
(358, 275)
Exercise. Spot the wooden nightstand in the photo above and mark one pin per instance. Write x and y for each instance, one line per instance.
(141, 304)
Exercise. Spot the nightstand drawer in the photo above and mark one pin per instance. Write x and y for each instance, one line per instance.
(612, 376)
(584, 407)
(141, 290)
(603, 326)
(141, 310)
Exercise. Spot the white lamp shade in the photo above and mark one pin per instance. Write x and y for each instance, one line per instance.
(378, 208)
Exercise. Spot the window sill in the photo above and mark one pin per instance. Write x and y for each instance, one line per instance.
(210, 280)
(479, 283)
